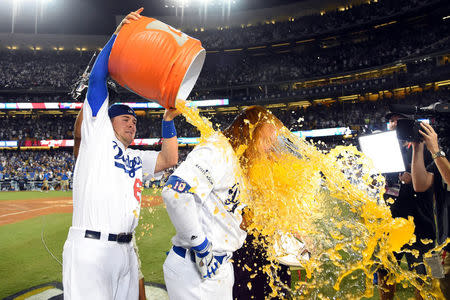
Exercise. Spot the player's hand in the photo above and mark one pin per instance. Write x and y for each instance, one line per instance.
(132, 16)
(405, 178)
(309, 249)
(170, 114)
(207, 264)
(429, 137)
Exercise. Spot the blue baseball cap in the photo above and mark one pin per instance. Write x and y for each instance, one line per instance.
(120, 109)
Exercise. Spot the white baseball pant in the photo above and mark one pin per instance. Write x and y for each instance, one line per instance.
(98, 269)
(183, 281)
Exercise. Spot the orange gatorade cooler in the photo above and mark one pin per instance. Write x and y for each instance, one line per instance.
(156, 61)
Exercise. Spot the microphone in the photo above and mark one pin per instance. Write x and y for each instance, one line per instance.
(403, 109)
(435, 108)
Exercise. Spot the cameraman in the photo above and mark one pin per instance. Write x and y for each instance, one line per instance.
(408, 203)
(437, 176)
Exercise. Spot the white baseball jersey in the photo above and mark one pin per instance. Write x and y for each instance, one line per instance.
(107, 177)
(106, 198)
(210, 171)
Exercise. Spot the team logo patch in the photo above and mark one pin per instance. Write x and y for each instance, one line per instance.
(232, 202)
(127, 164)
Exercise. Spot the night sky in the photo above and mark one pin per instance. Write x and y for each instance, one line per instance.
(94, 16)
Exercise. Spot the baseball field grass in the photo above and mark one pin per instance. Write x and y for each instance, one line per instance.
(25, 262)
(24, 195)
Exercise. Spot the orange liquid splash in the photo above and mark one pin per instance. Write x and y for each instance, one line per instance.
(332, 201)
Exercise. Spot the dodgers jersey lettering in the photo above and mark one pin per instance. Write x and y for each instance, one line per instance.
(209, 170)
(107, 177)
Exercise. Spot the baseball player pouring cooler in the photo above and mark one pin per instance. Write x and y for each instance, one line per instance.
(203, 201)
(99, 261)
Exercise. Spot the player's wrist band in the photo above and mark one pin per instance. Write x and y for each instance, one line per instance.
(202, 247)
(168, 129)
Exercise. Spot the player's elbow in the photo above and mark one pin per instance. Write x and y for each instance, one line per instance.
(169, 197)
(169, 159)
(172, 160)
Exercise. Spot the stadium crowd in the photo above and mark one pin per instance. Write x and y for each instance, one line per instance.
(30, 170)
(242, 77)
(416, 72)
(367, 114)
(27, 69)
(383, 49)
(60, 69)
(42, 128)
(305, 26)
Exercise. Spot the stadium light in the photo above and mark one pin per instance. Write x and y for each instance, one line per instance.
(39, 8)
(202, 5)
(15, 10)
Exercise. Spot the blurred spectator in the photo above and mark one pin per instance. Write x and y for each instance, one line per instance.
(25, 69)
(305, 26)
(31, 168)
(364, 116)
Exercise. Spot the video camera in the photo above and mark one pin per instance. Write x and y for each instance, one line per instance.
(408, 128)
(79, 88)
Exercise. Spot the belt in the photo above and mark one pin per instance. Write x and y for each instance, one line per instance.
(182, 252)
(121, 238)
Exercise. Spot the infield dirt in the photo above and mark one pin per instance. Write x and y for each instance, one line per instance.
(12, 211)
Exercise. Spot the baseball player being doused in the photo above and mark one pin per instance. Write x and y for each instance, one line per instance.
(99, 261)
(203, 200)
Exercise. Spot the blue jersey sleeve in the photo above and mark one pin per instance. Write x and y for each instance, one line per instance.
(97, 90)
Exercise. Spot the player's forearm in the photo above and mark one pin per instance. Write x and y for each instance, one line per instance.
(183, 214)
(97, 90)
(419, 173)
(168, 157)
(77, 133)
(76, 147)
(77, 126)
(100, 70)
(169, 154)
